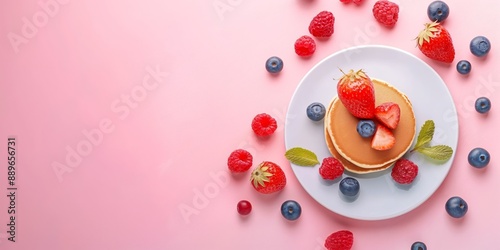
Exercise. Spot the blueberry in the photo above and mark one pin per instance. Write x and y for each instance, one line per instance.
(316, 111)
(349, 186)
(418, 246)
(274, 64)
(438, 11)
(456, 207)
(291, 210)
(479, 157)
(464, 67)
(480, 46)
(366, 128)
(483, 105)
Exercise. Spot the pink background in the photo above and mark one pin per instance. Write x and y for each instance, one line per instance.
(167, 148)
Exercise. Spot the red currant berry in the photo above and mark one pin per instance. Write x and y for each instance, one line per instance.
(244, 207)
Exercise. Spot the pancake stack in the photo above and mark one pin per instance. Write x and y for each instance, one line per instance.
(354, 151)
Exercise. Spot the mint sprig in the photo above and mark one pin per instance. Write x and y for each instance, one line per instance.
(438, 152)
(426, 134)
(302, 157)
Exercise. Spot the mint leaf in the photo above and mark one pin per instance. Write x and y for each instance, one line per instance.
(426, 133)
(438, 152)
(301, 157)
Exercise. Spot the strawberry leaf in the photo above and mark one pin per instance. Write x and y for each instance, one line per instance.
(302, 157)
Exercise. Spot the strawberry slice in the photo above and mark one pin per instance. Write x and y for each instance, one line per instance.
(388, 113)
(383, 138)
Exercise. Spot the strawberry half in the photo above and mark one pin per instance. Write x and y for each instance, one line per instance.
(383, 139)
(435, 42)
(388, 113)
(268, 178)
(355, 91)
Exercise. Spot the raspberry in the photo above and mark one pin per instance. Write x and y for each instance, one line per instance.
(404, 171)
(305, 46)
(358, 2)
(345, 1)
(340, 240)
(239, 161)
(386, 12)
(264, 125)
(322, 24)
(331, 168)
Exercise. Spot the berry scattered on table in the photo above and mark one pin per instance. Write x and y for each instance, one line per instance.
(331, 168)
(435, 42)
(464, 67)
(482, 105)
(349, 186)
(340, 240)
(291, 210)
(357, 2)
(274, 64)
(480, 46)
(404, 171)
(345, 1)
(355, 91)
(264, 125)
(418, 246)
(478, 157)
(365, 128)
(316, 111)
(456, 207)
(322, 24)
(386, 12)
(268, 178)
(239, 161)
(305, 46)
(244, 207)
(383, 139)
(438, 11)
(388, 113)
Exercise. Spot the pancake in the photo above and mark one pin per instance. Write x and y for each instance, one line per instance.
(341, 127)
(347, 164)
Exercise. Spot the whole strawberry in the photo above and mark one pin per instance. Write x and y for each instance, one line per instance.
(386, 12)
(340, 240)
(435, 42)
(268, 178)
(355, 91)
(322, 24)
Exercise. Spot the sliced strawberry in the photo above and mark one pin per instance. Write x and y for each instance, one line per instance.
(388, 113)
(383, 138)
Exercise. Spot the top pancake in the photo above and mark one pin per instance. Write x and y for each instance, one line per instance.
(350, 145)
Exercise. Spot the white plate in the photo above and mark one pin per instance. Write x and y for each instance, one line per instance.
(380, 197)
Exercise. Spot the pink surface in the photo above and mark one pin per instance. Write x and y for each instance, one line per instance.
(154, 95)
